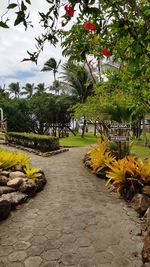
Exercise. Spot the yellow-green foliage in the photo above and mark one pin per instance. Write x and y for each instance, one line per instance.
(31, 173)
(129, 169)
(9, 159)
(99, 156)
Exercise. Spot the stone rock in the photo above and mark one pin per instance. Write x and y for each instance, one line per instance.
(5, 208)
(16, 174)
(146, 249)
(28, 187)
(5, 173)
(148, 220)
(146, 190)
(140, 203)
(147, 264)
(6, 189)
(15, 183)
(39, 170)
(88, 164)
(14, 198)
(40, 182)
(3, 180)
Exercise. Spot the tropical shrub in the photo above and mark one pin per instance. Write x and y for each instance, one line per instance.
(31, 173)
(129, 175)
(100, 156)
(40, 142)
(10, 159)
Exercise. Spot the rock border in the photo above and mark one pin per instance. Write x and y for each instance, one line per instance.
(37, 152)
(16, 188)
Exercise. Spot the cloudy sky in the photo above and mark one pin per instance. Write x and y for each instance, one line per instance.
(14, 43)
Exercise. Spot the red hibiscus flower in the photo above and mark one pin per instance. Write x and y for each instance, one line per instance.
(89, 26)
(69, 10)
(105, 52)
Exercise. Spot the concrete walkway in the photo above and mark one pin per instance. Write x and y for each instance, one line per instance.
(74, 221)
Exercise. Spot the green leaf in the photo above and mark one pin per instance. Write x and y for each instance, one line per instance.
(148, 47)
(11, 6)
(23, 7)
(3, 25)
(19, 18)
(28, 1)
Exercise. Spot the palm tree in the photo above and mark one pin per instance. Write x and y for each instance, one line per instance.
(79, 83)
(14, 89)
(28, 90)
(56, 86)
(3, 93)
(41, 88)
(51, 65)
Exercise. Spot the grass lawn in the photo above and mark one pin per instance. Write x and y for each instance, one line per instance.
(77, 140)
(137, 148)
(140, 150)
(2, 136)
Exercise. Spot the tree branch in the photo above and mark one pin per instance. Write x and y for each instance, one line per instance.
(139, 12)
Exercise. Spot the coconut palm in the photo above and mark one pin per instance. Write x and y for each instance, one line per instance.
(3, 93)
(79, 83)
(41, 88)
(28, 90)
(51, 65)
(14, 88)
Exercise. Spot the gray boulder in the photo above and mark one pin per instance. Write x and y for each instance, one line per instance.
(14, 198)
(28, 187)
(6, 189)
(3, 180)
(5, 208)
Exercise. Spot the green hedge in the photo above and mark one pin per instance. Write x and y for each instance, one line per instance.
(42, 143)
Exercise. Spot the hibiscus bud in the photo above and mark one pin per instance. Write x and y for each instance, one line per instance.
(105, 52)
(69, 10)
(89, 26)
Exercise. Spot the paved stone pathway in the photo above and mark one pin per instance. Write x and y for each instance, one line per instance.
(73, 222)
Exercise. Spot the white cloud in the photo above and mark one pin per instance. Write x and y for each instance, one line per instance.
(14, 44)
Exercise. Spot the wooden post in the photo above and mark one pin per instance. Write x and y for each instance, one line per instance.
(119, 147)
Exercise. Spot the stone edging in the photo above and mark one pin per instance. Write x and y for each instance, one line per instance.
(39, 153)
(16, 188)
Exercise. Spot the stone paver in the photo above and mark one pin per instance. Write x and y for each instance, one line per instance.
(73, 222)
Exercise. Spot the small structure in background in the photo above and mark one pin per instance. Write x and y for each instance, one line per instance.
(3, 123)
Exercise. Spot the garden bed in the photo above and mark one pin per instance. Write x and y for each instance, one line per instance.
(18, 181)
(130, 177)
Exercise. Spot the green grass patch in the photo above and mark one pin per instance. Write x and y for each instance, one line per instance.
(78, 141)
(2, 136)
(140, 150)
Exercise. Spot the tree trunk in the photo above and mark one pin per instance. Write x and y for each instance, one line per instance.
(144, 131)
(95, 128)
(83, 128)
